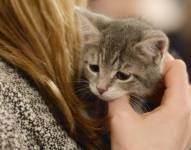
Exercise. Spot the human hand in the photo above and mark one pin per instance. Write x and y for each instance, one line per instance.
(166, 128)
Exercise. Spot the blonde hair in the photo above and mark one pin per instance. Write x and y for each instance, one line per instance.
(82, 3)
(41, 38)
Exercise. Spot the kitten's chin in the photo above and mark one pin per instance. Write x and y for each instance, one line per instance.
(108, 97)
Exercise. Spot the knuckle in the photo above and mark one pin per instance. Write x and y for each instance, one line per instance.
(186, 112)
(180, 63)
(118, 117)
(181, 112)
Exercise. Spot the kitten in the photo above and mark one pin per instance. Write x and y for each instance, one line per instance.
(122, 57)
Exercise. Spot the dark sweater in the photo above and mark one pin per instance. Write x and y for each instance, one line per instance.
(26, 121)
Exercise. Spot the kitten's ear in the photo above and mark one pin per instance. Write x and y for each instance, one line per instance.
(89, 33)
(153, 47)
(98, 20)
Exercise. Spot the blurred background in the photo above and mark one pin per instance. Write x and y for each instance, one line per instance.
(172, 16)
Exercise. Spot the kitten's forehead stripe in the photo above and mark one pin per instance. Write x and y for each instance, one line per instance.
(127, 65)
(117, 41)
(114, 60)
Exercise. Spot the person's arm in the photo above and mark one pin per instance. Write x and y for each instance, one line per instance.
(166, 128)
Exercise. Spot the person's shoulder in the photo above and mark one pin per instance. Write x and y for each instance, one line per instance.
(6, 72)
(9, 74)
(12, 79)
(25, 109)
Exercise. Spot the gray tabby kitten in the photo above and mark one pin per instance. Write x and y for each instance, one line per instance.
(122, 56)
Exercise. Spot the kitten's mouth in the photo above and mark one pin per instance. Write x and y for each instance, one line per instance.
(108, 95)
(101, 96)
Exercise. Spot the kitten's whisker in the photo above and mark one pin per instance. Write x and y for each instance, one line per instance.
(136, 105)
(143, 105)
(79, 81)
(83, 89)
(80, 92)
(134, 101)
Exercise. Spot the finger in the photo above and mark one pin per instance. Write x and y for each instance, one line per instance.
(176, 81)
(167, 61)
(176, 75)
(122, 108)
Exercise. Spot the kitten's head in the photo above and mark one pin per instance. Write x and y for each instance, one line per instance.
(123, 57)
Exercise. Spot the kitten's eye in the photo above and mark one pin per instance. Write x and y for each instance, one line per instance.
(122, 76)
(94, 68)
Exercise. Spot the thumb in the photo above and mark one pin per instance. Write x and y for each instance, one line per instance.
(177, 85)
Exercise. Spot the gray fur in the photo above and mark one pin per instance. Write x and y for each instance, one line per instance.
(130, 46)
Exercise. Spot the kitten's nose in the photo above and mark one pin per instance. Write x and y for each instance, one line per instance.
(101, 90)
